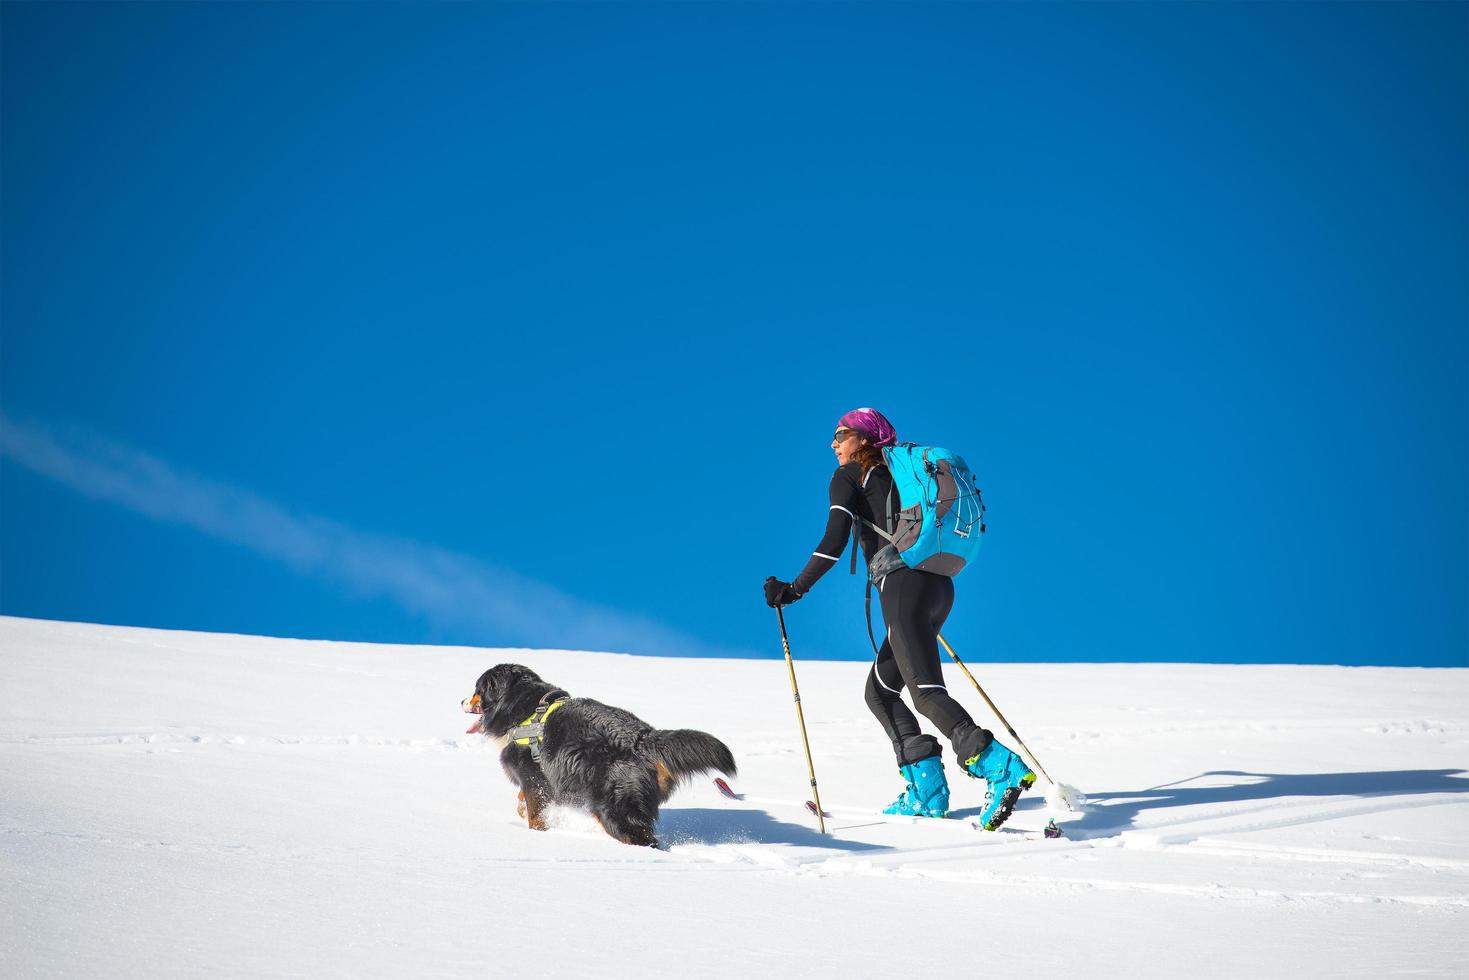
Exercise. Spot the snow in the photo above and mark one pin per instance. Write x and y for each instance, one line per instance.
(184, 804)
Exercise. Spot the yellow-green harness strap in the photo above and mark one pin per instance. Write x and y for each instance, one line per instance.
(531, 731)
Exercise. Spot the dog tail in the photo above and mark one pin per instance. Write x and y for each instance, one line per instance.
(685, 752)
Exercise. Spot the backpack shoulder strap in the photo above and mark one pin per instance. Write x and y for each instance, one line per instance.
(887, 519)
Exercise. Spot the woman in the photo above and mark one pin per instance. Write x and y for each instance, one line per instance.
(914, 607)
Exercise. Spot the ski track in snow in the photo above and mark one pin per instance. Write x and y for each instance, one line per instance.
(85, 739)
(1309, 816)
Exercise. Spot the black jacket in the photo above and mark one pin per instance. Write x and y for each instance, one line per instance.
(851, 496)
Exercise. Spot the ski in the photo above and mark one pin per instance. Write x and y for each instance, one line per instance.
(1050, 832)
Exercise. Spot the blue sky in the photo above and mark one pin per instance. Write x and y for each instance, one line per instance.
(529, 324)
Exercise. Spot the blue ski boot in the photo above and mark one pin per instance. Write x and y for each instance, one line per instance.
(927, 792)
(1008, 776)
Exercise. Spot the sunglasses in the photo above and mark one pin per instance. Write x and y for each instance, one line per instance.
(843, 434)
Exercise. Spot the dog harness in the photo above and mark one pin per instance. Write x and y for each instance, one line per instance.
(531, 732)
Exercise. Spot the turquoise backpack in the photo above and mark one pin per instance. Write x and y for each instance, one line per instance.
(939, 516)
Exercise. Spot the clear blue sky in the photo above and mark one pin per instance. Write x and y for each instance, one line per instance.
(529, 324)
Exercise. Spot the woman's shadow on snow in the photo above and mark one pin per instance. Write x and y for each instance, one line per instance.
(705, 825)
(1116, 811)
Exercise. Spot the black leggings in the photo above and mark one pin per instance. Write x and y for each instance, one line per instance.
(914, 607)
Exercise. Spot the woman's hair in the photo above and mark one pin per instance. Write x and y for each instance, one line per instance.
(869, 456)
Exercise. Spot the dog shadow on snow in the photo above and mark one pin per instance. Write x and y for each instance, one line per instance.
(1118, 810)
(705, 825)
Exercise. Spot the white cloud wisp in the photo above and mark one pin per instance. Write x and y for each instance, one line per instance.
(445, 588)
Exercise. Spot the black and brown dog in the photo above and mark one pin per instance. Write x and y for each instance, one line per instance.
(588, 754)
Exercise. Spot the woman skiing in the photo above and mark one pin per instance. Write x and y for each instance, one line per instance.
(914, 607)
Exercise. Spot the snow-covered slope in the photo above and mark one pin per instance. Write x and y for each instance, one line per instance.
(182, 804)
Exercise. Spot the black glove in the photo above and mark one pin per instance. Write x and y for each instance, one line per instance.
(778, 593)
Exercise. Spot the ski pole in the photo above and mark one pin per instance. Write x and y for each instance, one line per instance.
(996, 710)
(800, 717)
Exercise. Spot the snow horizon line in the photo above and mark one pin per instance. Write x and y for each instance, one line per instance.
(447, 589)
(762, 657)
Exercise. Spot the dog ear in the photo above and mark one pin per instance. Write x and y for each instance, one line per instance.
(520, 672)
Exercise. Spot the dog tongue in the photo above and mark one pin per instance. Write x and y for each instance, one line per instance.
(472, 728)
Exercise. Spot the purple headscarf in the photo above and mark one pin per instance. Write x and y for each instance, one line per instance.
(871, 424)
